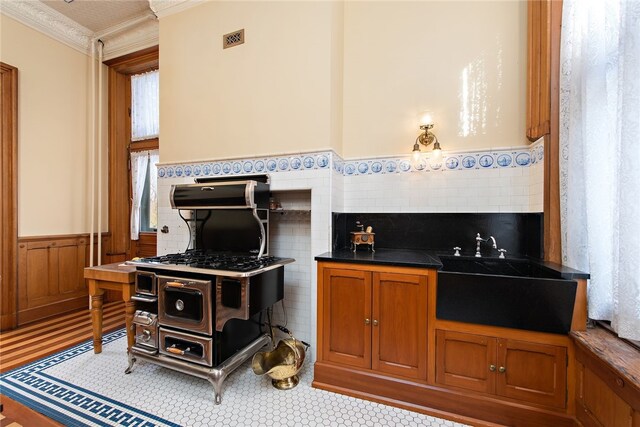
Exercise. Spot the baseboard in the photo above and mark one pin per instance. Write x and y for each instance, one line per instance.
(432, 400)
(54, 309)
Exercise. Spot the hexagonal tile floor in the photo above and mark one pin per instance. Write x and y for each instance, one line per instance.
(79, 388)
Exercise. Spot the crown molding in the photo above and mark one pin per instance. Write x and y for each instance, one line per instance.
(164, 8)
(50, 22)
(140, 37)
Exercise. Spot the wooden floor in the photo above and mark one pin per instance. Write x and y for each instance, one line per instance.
(37, 340)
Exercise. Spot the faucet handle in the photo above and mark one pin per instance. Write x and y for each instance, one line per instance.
(457, 249)
(502, 252)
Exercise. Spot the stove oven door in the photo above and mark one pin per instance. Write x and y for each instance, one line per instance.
(185, 304)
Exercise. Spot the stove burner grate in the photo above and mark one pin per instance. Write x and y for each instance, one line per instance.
(214, 261)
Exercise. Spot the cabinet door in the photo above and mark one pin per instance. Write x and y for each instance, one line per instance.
(466, 361)
(598, 405)
(536, 373)
(400, 324)
(346, 317)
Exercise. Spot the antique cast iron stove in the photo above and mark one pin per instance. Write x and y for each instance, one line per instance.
(203, 311)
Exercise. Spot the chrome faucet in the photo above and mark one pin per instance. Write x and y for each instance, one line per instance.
(479, 240)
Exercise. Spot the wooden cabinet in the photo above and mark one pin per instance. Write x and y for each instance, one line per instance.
(375, 320)
(607, 373)
(531, 372)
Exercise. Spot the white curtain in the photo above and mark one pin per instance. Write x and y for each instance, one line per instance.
(139, 163)
(145, 106)
(600, 151)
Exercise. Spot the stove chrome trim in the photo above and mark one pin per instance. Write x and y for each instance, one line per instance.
(205, 342)
(224, 313)
(263, 234)
(215, 376)
(153, 282)
(212, 272)
(201, 286)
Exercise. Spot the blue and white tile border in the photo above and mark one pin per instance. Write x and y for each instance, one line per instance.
(285, 163)
(454, 161)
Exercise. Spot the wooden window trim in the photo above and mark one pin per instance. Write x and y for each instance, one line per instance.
(145, 144)
(120, 145)
(543, 109)
(9, 198)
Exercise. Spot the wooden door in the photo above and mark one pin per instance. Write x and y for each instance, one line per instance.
(400, 324)
(466, 361)
(346, 317)
(536, 373)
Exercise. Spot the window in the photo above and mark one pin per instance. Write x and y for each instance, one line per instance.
(144, 127)
(144, 185)
(145, 117)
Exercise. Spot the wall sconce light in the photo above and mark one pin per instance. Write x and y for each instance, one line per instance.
(426, 138)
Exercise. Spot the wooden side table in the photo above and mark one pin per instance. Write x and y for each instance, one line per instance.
(113, 277)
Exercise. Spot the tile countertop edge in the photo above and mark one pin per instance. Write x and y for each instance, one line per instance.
(422, 259)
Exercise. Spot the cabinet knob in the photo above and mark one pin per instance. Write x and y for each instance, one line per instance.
(492, 368)
(619, 382)
(375, 322)
(367, 321)
(502, 369)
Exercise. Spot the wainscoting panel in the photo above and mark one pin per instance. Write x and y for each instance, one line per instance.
(51, 275)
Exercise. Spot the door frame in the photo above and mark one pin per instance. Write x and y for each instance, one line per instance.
(9, 197)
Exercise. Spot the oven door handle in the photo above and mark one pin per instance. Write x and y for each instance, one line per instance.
(142, 298)
(176, 350)
(176, 284)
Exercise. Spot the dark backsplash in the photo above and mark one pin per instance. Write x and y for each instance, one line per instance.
(519, 233)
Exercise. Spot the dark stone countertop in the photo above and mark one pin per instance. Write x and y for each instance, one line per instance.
(393, 257)
(427, 259)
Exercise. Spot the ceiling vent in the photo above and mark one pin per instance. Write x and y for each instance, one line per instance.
(233, 39)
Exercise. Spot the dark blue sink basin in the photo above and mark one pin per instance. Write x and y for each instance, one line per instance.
(511, 293)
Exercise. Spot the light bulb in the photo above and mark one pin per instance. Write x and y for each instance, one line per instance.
(416, 156)
(425, 119)
(436, 153)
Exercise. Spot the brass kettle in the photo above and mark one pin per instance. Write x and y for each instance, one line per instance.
(282, 364)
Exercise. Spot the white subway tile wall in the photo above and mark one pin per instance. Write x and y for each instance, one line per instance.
(290, 233)
(501, 181)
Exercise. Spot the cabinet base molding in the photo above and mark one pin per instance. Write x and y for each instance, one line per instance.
(431, 400)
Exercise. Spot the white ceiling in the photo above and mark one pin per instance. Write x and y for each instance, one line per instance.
(98, 15)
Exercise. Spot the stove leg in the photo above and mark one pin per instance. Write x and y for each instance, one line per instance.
(132, 360)
(216, 378)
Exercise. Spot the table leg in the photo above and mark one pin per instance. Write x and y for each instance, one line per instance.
(97, 295)
(130, 309)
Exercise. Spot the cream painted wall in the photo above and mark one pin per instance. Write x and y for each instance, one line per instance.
(53, 117)
(351, 76)
(463, 61)
(278, 92)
